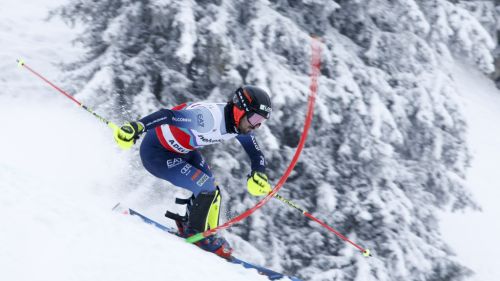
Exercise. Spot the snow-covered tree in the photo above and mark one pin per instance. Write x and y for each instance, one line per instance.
(387, 147)
(487, 12)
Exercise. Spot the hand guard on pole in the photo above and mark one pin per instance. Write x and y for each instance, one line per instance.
(128, 134)
(257, 184)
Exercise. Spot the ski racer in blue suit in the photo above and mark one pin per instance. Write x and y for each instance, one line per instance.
(169, 151)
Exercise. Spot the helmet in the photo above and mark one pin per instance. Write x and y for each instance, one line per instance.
(252, 100)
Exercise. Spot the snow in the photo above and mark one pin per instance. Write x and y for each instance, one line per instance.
(61, 173)
(474, 234)
(188, 37)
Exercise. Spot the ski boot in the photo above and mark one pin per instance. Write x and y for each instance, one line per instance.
(202, 213)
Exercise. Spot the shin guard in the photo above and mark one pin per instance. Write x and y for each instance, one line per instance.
(204, 211)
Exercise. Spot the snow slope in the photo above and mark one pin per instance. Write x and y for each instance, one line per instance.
(61, 173)
(474, 234)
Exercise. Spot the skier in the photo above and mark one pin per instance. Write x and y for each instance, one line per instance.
(169, 151)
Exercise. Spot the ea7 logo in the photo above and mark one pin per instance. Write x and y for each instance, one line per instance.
(174, 162)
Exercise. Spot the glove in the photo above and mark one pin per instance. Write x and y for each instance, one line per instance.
(128, 134)
(257, 184)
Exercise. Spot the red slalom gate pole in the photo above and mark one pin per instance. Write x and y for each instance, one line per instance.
(315, 70)
(110, 124)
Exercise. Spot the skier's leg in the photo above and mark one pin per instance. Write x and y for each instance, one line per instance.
(204, 215)
(204, 211)
(188, 171)
(206, 206)
(191, 172)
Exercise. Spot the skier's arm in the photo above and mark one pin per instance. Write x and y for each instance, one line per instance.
(257, 183)
(188, 119)
(251, 147)
(195, 119)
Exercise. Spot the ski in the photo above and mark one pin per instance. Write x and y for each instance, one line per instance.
(271, 275)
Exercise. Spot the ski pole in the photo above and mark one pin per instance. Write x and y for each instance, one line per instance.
(110, 124)
(365, 252)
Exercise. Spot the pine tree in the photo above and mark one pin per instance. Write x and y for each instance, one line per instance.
(387, 147)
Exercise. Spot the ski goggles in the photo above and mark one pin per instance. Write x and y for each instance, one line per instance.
(255, 119)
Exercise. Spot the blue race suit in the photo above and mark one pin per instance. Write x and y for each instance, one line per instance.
(169, 149)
